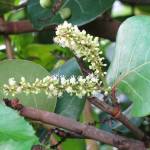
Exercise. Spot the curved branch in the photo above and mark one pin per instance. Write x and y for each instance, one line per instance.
(105, 28)
(119, 116)
(87, 131)
(18, 27)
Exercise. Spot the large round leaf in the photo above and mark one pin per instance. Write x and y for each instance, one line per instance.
(15, 132)
(82, 12)
(130, 69)
(31, 71)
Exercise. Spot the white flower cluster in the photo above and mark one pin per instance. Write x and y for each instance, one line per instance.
(83, 45)
(55, 86)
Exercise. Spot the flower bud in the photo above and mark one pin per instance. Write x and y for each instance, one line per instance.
(65, 13)
(45, 3)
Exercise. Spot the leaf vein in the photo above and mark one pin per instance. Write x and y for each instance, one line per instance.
(134, 91)
(129, 72)
(143, 77)
(80, 6)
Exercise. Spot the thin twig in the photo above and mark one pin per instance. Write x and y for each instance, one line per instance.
(53, 141)
(9, 49)
(118, 116)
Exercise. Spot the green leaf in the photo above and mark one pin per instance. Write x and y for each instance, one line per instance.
(6, 6)
(31, 71)
(2, 56)
(13, 145)
(70, 68)
(82, 12)
(21, 41)
(79, 144)
(40, 53)
(142, 10)
(70, 106)
(20, 14)
(129, 71)
(15, 132)
(45, 54)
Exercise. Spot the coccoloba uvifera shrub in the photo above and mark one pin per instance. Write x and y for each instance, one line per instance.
(84, 46)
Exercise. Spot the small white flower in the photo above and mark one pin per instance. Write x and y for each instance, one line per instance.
(63, 80)
(54, 78)
(46, 79)
(51, 87)
(37, 80)
(83, 92)
(69, 89)
(106, 93)
(13, 94)
(11, 81)
(81, 80)
(72, 80)
(60, 94)
(22, 79)
(55, 92)
(97, 72)
(94, 79)
(19, 89)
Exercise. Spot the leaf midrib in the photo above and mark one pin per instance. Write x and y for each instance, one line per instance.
(128, 72)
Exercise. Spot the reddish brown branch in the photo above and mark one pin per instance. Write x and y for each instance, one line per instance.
(118, 115)
(87, 131)
(17, 27)
(53, 141)
(9, 49)
(100, 27)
